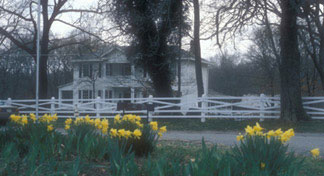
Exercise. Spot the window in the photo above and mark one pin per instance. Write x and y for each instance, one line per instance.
(99, 71)
(118, 69)
(85, 70)
(99, 93)
(108, 94)
(80, 94)
(86, 94)
(108, 69)
(67, 94)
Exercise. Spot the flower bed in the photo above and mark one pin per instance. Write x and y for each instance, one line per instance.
(31, 146)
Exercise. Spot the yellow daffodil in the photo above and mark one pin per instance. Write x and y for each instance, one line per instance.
(239, 137)
(257, 127)
(154, 126)
(262, 165)
(270, 134)
(137, 134)
(24, 120)
(104, 123)
(50, 128)
(249, 130)
(138, 118)
(113, 132)
(67, 127)
(68, 121)
(315, 152)
(278, 132)
(15, 118)
(97, 123)
(163, 129)
(128, 134)
(54, 117)
(139, 124)
(32, 116)
(160, 134)
(104, 130)
(121, 132)
(117, 119)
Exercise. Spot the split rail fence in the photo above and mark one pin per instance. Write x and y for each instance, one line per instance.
(261, 107)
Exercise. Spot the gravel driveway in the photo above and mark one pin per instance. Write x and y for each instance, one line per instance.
(301, 143)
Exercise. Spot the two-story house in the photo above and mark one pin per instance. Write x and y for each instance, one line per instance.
(112, 75)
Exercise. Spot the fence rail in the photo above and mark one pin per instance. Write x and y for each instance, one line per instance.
(202, 107)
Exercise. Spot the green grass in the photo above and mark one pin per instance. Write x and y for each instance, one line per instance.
(228, 125)
(231, 125)
(314, 126)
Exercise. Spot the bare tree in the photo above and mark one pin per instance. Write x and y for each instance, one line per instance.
(197, 50)
(234, 15)
(19, 20)
(311, 34)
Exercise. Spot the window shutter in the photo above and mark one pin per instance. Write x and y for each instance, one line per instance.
(80, 71)
(99, 70)
(90, 70)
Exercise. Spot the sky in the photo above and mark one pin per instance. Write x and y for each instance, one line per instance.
(208, 47)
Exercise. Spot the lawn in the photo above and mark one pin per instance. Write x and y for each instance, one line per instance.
(313, 126)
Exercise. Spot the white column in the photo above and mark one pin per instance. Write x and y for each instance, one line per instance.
(97, 107)
(132, 94)
(262, 97)
(150, 101)
(9, 101)
(133, 83)
(60, 97)
(204, 105)
(52, 106)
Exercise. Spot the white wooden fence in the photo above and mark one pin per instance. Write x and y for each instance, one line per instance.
(203, 107)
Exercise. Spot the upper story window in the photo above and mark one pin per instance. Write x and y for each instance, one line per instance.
(85, 70)
(118, 69)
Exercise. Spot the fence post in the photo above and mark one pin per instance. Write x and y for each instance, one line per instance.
(76, 111)
(97, 107)
(262, 97)
(203, 108)
(9, 101)
(150, 113)
(52, 106)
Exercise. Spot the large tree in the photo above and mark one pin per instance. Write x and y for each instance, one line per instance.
(290, 89)
(197, 50)
(234, 15)
(19, 19)
(151, 26)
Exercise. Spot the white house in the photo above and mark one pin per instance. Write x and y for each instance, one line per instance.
(112, 75)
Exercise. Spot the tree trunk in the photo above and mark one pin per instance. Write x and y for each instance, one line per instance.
(160, 73)
(290, 96)
(43, 78)
(320, 65)
(197, 50)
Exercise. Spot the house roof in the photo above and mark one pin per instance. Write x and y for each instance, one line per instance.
(65, 85)
(105, 52)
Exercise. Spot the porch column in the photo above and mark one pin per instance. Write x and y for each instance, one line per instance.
(132, 94)
(133, 84)
(60, 97)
